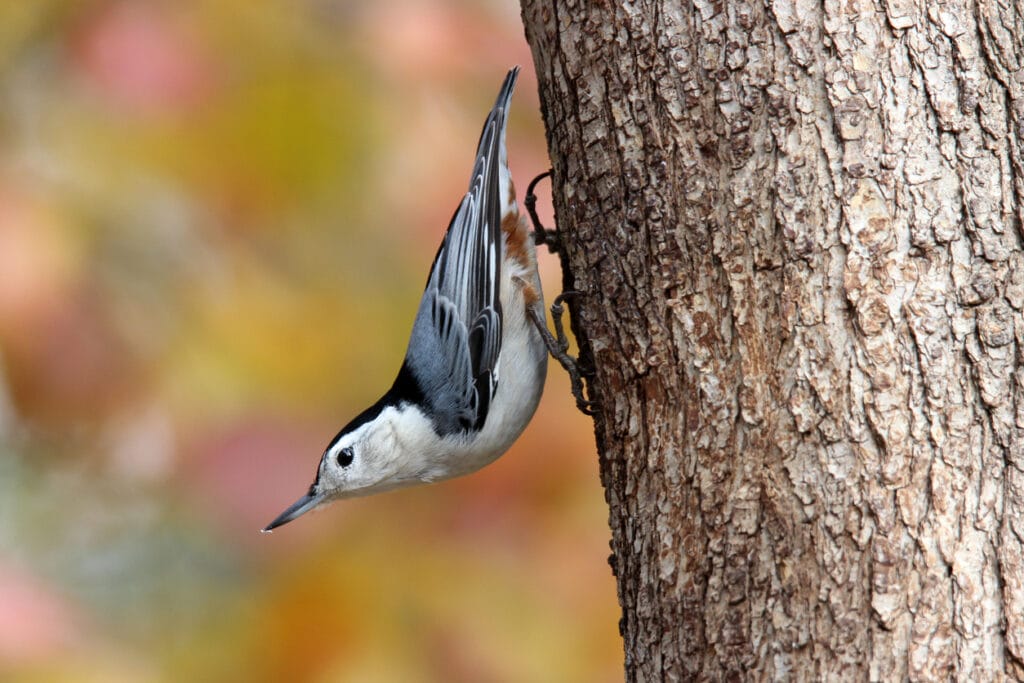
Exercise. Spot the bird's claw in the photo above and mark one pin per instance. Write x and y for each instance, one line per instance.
(558, 344)
(558, 347)
(541, 235)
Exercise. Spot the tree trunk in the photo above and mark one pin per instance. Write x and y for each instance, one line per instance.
(797, 228)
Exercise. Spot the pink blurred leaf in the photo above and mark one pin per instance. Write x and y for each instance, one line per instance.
(143, 58)
(35, 623)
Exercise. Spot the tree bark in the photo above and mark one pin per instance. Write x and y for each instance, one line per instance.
(797, 228)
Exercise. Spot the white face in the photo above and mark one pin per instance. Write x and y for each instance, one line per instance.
(361, 462)
(394, 449)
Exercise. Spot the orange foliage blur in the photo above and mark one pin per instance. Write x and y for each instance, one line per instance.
(215, 221)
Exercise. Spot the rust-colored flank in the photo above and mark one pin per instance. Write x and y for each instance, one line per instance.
(516, 236)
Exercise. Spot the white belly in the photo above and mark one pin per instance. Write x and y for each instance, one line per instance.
(522, 367)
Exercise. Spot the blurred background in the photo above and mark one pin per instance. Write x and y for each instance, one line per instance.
(216, 218)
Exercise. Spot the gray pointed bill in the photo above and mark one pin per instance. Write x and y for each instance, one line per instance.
(295, 510)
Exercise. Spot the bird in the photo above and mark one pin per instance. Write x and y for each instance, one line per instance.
(475, 366)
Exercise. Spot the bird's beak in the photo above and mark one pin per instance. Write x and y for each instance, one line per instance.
(296, 509)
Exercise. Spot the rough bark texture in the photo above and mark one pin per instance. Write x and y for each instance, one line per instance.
(798, 230)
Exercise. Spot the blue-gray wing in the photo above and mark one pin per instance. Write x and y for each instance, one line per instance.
(456, 338)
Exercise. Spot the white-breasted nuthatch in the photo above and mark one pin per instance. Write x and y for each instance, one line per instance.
(477, 357)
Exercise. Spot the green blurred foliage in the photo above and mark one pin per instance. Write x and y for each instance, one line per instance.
(215, 222)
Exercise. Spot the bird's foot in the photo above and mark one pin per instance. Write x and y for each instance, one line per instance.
(541, 235)
(558, 344)
(558, 347)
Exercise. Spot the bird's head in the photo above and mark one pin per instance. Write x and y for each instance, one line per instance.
(365, 457)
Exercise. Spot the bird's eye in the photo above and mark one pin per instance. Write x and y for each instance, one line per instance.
(345, 457)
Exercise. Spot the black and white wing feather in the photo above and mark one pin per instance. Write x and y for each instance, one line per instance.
(456, 338)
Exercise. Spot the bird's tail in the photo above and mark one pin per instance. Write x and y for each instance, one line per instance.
(501, 109)
(491, 149)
